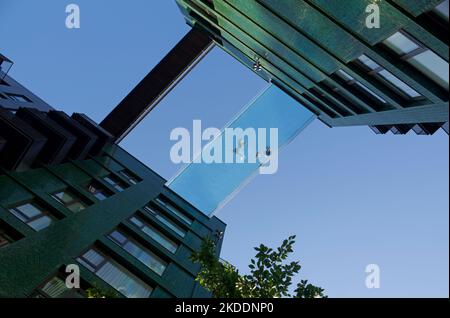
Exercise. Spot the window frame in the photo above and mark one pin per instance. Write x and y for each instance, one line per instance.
(99, 189)
(160, 232)
(375, 73)
(18, 98)
(108, 259)
(174, 210)
(351, 81)
(406, 57)
(141, 247)
(155, 211)
(129, 176)
(27, 220)
(115, 182)
(438, 13)
(39, 290)
(76, 199)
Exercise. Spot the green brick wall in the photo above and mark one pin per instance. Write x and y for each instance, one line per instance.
(28, 262)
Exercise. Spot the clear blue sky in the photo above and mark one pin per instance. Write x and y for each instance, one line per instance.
(351, 197)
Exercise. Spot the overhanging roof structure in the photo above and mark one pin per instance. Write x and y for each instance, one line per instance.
(319, 51)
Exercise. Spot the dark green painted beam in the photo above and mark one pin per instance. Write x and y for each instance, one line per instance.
(157, 83)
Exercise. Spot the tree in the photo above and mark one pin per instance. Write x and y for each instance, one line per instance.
(97, 292)
(270, 276)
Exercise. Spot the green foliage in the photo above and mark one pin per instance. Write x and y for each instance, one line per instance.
(96, 292)
(270, 275)
(220, 278)
(305, 290)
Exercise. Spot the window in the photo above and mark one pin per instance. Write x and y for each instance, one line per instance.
(56, 288)
(155, 234)
(351, 81)
(33, 215)
(98, 191)
(130, 177)
(70, 201)
(19, 98)
(7, 234)
(419, 56)
(401, 44)
(114, 274)
(145, 256)
(174, 210)
(387, 77)
(404, 88)
(441, 10)
(166, 221)
(115, 183)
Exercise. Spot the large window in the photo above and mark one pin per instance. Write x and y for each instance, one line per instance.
(387, 77)
(155, 234)
(419, 56)
(148, 258)
(34, 215)
(174, 210)
(69, 200)
(115, 183)
(114, 274)
(165, 220)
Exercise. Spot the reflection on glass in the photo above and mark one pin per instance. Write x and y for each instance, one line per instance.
(115, 183)
(373, 94)
(371, 64)
(174, 210)
(33, 215)
(56, 288)
(442, 10)
(399, 84)
(69, 200)
(114, 274)
(166, 221)
(432, 66)
(155, 234)
(400, 43)
(40, 223)
(132, 179)
(148, 258)
(420, 57)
